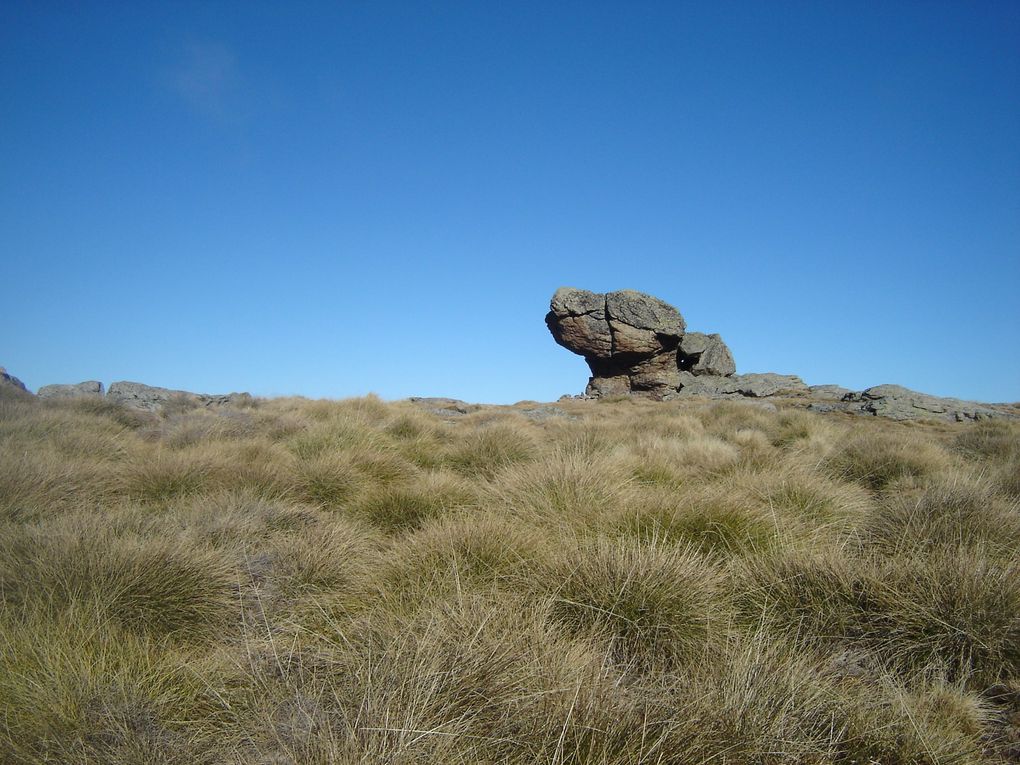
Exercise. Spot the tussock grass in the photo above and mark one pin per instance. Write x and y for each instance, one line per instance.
(649, 603)
(710, 520)
(464, 552)
(949, 512)
(402, 506)
(564, 490)
(876, 459)
(492, 448)
(635, 582)
(151, 586)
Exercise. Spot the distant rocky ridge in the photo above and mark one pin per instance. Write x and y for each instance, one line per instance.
(134, 395)
(10, 382)
(637, 344)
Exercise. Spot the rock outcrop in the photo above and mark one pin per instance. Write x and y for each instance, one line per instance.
(628, 338)
(87, 388)
(899, 403)
(636, 344)
(150, 398)
(12, 383)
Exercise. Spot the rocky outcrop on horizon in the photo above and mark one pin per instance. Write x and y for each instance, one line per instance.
(898, 403)
(59, 390)
(636, 344)
(11, 382)
(630, 340)
(150, 398)
(133, 395)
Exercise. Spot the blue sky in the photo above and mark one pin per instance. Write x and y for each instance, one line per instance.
(341, 198)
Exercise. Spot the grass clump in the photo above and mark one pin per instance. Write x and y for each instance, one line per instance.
(950, 512)
(406, 506)
(709, 521)
(149, 586)
(648, 603)
(490, 449)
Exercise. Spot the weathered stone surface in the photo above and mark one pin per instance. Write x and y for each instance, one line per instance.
(713, 386)
(703, 354)
(835, 392)
(656, 376)
(763, 384)
(643, 311)
(87, 388)
(617, 385)
(577, 320)
(628, 338)
(899, 403)
(750, 385)
(11, 382)
(150, 398)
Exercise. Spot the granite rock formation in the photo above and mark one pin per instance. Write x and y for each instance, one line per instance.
(628, 338)
(636, 344)
(87, 388)
(150, 398)
(147, 398)
(899, 403)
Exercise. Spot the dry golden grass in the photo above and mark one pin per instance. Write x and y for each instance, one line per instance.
(356, 581)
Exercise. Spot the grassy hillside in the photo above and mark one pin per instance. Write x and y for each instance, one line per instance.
(355, 581)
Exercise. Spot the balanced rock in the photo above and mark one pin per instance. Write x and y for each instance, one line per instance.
(87, 388)
(628, 338)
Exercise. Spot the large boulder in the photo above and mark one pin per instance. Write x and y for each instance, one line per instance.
(702, 354)
(87, 388)
(628, 338)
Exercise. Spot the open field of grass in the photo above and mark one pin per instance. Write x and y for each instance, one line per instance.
(636, 582)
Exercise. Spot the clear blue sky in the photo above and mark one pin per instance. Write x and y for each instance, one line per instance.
(341, 198)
